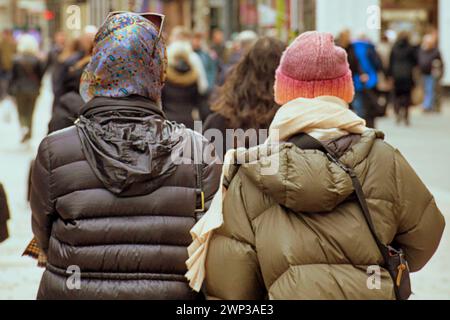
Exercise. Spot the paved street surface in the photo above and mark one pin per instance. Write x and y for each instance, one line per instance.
(426, 145)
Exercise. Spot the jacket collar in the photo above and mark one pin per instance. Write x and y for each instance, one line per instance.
(134, 103)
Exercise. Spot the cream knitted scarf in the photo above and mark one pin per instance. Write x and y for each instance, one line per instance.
(324, 118)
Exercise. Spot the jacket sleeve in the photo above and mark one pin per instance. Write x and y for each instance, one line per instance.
(42, 205)
(232, 266)
(421, 224)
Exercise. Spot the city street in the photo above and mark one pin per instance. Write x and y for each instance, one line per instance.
(426, 145)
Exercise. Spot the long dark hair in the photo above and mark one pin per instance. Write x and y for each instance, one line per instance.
(246, 99)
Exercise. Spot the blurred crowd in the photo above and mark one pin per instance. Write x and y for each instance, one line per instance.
(108, 195)
(196, 67)
(394, 72)
(203, 85)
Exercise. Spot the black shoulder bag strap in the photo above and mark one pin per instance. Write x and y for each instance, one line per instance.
(394, 260)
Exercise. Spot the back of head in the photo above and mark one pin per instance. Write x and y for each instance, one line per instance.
(217, 36)
(129, 58)
(60, 38)
(246, 39)
(71, 47)
(313, 66)
(403, 38)
(247, 99)
(179, 50)
(344, 38)
(428, 42)
(28, 45)
(198, 40)
(180, 33)
(86, 40)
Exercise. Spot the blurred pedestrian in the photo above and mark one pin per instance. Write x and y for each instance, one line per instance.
(219, 49)
(71, 65)
(69, 56)
(115, 176)
(297, 231)
(4, 215)
(218, 44)
(344, 40)
(385, 86)
(244, 41)
(58, 45)
(240, 45)
(365, 102)
(70, 102)
(7, 51)
(210, 64)
(25, 81)
(431, 67)
(181, 96)
(200, 48)
(246, 100)
(181, 37)
(403, 61)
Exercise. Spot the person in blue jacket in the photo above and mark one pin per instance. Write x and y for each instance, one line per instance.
(370, 64)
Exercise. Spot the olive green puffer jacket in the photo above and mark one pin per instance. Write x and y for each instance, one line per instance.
(299, 234)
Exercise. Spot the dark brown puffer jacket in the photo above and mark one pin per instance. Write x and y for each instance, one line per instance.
(109, 198)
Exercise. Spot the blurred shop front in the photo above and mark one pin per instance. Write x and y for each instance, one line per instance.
(415, 16)
(281, 18)
(22, 16)
(94, 12)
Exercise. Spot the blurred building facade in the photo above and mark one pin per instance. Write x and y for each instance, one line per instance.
(22, 14)
(282, 18)
(94, 12)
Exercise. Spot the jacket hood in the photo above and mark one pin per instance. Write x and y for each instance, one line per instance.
(129, 144)
(306, 181)
(182, 73)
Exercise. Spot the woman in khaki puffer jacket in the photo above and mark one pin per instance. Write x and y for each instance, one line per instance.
(299, 233)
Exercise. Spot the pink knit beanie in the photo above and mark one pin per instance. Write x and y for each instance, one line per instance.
(313, 66)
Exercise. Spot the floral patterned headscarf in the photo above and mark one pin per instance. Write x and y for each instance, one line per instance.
(128, 59)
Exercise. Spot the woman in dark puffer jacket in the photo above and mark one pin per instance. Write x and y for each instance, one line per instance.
(109, 198)
(70, 103)
(181, 95)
